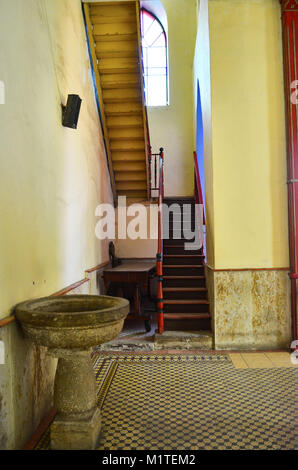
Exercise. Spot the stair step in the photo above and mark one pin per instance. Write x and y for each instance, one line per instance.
(115, 31)
(179, 249)
(120, 166)
(99, 19)
(123, 113)
(122, 94)
(131, 185)
(126, 122)
(127, 139)
(121, 80)
(176, 242)
(182, 270)
(179, 201)
(184, 256)
(118, 65)
(184, 289)
(115, 36)
(133, 133)
(130, 176)
(120, 108)
(133, 193)
(117, 47)
(187, 278)
(187, 324)
(128, 99)
(184, 266)
(115, 54)
(128, 147)
(182, 281)
(187, 302)
(186, 293)
(187, 316)
(182, 259)
(122, 9)
(186, 306)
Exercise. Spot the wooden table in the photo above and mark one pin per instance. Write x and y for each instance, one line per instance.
(134, 273)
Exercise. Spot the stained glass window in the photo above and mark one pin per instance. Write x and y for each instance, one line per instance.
(154, 44)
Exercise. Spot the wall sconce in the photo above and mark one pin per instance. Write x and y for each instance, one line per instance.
(70, 112)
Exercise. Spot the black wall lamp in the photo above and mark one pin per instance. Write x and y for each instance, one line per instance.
(70, 112)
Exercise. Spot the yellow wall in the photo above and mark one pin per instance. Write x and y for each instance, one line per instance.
(171, 127)
(202, 75)
(51, 177)
(248, 136)
(140, 248)
(51, 180)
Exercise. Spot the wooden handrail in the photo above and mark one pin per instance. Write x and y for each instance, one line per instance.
(5, 321)
(159, 256)
(289, 33)
(198, 192)
(145, 115)
(11, 318)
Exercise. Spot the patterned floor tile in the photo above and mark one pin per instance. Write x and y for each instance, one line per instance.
(193, 402)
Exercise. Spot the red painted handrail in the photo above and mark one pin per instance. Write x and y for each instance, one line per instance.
(198, 191)
(198, 186)
(159, 256)
(290, 47)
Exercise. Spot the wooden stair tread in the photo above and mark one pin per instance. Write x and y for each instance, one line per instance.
(127, 139)
(173, 246)
(184, 277)
(183, 266)
(124, 113)
(186, 302)
(97, 18)
(184, 289)
(187, 316)
(124, 168)
(109, 85)
(183, 256)
(114, 38)
(129, 99)
(127, 149)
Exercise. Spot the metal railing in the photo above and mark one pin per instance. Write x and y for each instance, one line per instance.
(158, 186)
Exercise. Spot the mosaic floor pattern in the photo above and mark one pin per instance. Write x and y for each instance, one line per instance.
(193, 402)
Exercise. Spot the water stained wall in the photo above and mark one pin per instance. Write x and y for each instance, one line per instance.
(52, 179)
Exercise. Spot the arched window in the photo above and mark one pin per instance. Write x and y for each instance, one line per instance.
(154, 44)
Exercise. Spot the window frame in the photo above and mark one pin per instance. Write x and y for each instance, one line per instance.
(155, 18)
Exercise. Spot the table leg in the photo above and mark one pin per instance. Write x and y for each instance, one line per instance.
(119, 290)
(136, 299)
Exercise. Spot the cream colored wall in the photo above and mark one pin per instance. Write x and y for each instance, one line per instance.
(171, 127)
(202, 75)
(248, 136)
(52, 177)
(51, 180)
(140, 248)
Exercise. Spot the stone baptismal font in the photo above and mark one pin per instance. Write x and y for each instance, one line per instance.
(69, 326)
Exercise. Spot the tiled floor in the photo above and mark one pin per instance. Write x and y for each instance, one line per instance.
(266, 360)
(196, 401)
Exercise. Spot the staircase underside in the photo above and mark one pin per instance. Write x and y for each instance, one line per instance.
(115, 43)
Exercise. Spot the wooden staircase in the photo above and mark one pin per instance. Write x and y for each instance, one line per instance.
(115, 46)
(185, 294)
